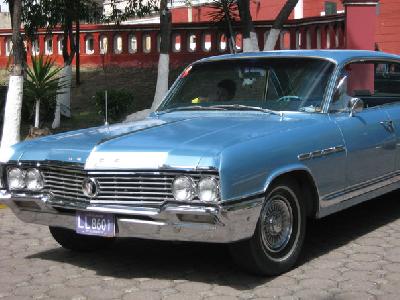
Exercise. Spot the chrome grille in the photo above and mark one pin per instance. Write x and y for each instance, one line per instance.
(64, 182)
(118, 187)
(148, 186)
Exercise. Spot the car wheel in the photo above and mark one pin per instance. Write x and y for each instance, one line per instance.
(71, 240)
(279, 235)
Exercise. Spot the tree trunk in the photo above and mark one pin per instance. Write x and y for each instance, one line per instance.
(12, 112)
(37, 113)
(163, 62)
(250, 40)
(63, 98)
(78, 50)
(231, 39)
(275, 31)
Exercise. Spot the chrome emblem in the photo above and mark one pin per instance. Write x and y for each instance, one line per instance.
(90, 187)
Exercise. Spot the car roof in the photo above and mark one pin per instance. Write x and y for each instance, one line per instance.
(338, 56)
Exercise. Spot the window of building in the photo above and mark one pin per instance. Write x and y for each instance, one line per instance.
(222, 43)
(176, 42)
(117, 44)
(192, 43)
(239, 41)
(330, 8)
(9, 46)
(35, 47)
(89, 44)
(60, 45)
(132, 43)
(146, 43)
(48, 46)
(206, 44)
(103, 44)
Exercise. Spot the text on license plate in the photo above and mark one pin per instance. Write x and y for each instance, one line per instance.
(91, 223)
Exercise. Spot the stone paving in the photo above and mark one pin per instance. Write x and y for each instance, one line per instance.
(351, 255)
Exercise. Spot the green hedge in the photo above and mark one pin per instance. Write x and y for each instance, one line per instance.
(120, 104)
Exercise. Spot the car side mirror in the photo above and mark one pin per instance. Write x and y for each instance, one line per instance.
(356, 105)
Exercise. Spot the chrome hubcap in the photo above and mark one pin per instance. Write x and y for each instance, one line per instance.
(277, 223)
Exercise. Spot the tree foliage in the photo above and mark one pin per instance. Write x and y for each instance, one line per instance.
(42, 79)
(49, 14)
(224, 13)
(133, 8)
(42, 85)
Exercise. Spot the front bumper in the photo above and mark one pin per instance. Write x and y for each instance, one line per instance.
(219, 223)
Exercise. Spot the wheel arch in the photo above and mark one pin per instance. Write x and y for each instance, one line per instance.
(307, 184)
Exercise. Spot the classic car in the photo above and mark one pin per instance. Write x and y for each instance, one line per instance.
(243, 150)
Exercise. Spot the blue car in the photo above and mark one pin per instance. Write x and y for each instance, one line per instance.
(243, 150)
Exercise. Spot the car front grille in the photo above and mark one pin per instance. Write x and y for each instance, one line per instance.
(64, 182)
(116, 187)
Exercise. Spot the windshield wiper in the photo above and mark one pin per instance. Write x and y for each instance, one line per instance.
(246, 107)
(195, 107)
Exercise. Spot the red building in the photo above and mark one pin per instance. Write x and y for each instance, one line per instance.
(387, 31)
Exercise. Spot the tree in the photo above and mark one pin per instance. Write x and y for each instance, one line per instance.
(12, 113)
(42, 83)
(276, 29)
(50, 14)
(141, 8)
(250, 40)
(224, 13)
(163, 62)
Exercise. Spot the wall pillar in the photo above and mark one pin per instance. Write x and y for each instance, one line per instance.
(96, 43)
(360, 24)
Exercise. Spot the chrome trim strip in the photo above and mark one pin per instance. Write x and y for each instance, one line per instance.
(360, 189)
(321, 153)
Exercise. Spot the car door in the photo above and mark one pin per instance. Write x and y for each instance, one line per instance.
(370, 144)
(369, 134)
(387, 94)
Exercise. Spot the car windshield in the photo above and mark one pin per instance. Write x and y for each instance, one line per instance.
(269, 84)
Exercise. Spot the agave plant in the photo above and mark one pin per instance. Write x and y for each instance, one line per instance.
(42, 83)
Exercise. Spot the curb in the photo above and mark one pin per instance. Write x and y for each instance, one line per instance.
(2, 206)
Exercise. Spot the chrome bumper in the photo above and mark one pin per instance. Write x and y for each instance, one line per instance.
(223, 223)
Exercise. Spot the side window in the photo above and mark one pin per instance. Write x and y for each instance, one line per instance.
(376, 83)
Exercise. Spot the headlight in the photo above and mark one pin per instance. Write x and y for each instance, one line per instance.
(34, 180)
(16, 179)
(208, 189)
(183, 188)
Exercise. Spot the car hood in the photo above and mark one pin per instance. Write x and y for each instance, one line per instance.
(177, 141)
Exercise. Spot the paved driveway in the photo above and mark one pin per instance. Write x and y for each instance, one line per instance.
(352, 255)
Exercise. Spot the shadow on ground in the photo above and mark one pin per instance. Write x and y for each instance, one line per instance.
(211, 263)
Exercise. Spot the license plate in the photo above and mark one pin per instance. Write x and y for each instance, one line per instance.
(95, 224)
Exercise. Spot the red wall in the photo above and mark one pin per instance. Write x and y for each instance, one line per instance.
(388, 26)
(315, 7)
(261, 10)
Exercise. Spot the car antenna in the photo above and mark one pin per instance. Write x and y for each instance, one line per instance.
(106, 108)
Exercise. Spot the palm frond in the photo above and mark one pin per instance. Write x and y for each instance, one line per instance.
(43, 81)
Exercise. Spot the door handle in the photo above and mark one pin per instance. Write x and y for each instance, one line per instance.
(388, 125)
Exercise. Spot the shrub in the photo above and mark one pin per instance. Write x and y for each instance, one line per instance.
(42, 85)
(120, 104)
